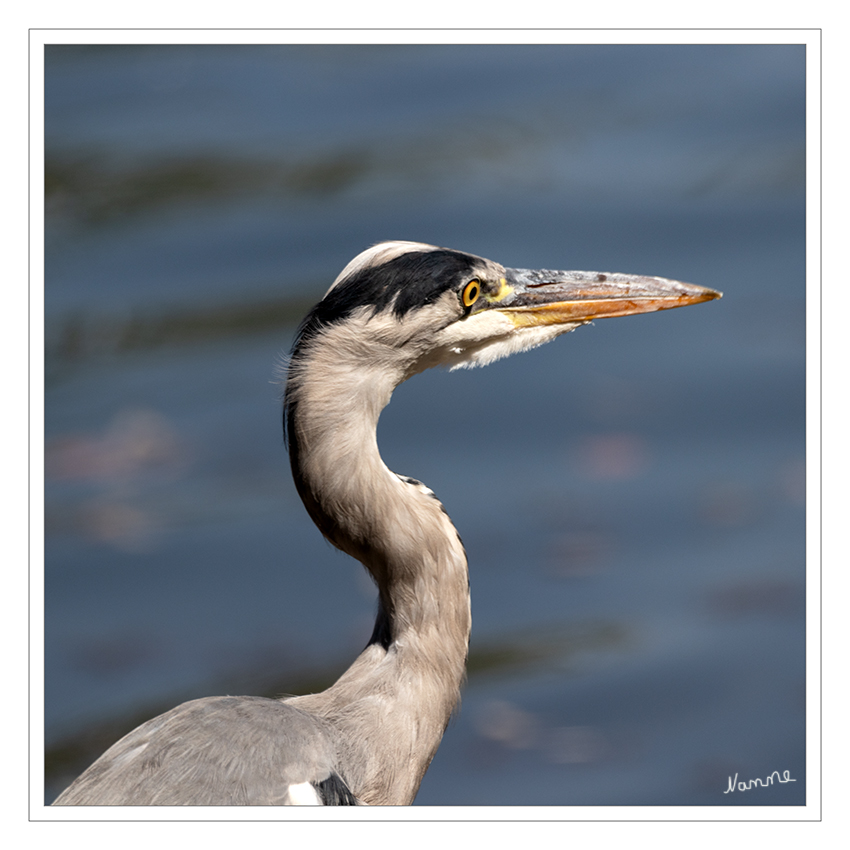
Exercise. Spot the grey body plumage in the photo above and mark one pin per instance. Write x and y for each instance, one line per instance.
(395, 310)
(278, 747)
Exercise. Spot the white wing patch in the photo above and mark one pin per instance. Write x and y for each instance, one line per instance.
(303, 794)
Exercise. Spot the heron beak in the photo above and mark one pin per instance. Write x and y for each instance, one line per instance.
(529, 298)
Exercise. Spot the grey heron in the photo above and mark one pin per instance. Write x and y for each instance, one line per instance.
(395, 310)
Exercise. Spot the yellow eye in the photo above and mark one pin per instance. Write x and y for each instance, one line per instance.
(470, 293)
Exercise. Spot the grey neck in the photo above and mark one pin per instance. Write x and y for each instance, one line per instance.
(394, 702)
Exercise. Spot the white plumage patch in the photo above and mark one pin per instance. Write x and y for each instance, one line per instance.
(489, 336)
(303, 794)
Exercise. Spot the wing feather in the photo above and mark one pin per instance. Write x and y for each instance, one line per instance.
(217, 751)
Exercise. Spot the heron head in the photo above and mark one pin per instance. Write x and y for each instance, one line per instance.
(408, 306)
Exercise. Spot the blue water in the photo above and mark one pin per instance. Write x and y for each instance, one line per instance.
(631, 496)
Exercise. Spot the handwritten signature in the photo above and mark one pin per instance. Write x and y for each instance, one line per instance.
(734, 785)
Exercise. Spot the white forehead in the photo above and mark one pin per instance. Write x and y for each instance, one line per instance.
(379, 254)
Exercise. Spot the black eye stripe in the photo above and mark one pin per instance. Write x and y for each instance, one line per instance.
(404, 283)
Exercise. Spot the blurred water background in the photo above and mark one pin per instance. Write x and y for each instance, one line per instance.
(631, 496)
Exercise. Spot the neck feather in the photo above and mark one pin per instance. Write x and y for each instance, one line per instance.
(407, 680)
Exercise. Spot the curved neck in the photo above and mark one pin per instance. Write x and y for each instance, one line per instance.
(397, 697)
